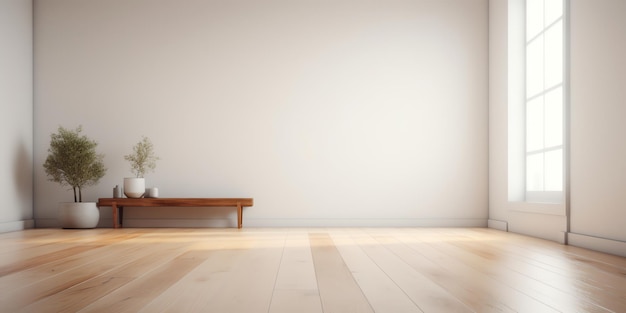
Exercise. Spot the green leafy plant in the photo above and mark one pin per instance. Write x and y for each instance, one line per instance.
(143, 158)
(72, 161)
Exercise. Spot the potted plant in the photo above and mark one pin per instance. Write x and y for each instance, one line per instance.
(72, 161)
(141, 161)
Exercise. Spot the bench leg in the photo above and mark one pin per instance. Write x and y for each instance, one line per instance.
(118, 215)
(115, 218)
(239, 215)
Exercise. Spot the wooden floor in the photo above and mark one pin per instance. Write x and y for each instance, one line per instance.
(303, 270)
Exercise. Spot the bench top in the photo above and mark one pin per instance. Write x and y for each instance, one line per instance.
(192, 202)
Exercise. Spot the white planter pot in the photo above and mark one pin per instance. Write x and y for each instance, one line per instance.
(78, 214)
(134, 187)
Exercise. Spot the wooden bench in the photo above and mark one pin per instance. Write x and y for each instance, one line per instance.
(118, 204)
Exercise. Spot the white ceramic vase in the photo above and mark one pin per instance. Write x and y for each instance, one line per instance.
(78, 214)
(134, 187)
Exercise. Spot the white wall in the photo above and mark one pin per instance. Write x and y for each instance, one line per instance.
(326, 112)
(598, 102)
(16, 115)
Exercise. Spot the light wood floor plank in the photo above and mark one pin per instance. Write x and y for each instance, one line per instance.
(339, 291)
(59, 282)
(134, 295)
(562, 275)
(474, 288)
(518, 275)
(239, 277)
(382, 292)
(58, 246)
(424, 292)
(75, 298)
(80, 269)
(33, 271)
(296, 285)
(198, 289)
(303, 270)
(249, 285)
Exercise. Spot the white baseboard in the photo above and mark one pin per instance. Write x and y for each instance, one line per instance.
(596, 243)
(16, 225)
(287, 222)
(499, 225)
(366, 222)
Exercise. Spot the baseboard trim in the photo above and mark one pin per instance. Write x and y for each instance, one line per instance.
(598, 244)
(499, 225)
(286, 222)
(16, 225)
(365, 222)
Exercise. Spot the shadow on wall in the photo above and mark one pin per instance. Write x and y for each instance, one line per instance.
(23, 179)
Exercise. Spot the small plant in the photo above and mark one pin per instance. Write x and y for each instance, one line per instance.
(143, 159)
(72, 161)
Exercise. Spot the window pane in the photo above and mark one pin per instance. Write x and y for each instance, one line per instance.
(554, 118)
(545, 121)
(534, 172)
(534, 18)
(534, 124)
(534, 67)
(554, 55)
(554, 170)
(553, 11)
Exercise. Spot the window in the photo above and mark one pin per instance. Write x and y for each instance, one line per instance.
(544, 100)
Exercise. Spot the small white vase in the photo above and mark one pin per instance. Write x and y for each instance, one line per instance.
(78, 214)
(134, 187)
